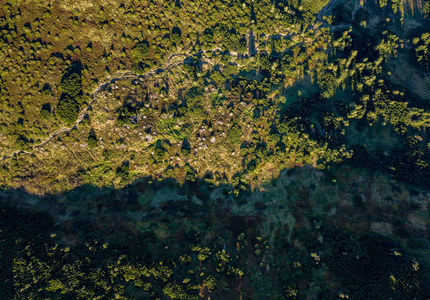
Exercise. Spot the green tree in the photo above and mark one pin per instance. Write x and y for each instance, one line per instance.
(72, 85)
(140, 51)
(68, 109)
(92, 139)
(176, 37)
(21, 143)
(235, 134)
(328, 85)
(45, 112)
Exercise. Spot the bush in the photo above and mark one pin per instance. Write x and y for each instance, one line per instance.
(175, 37)
(123, 171)
(235, 134)
(160, 153)
(190, 68)
(185, 152)
(186, 148)
(127, 114)
(71, 85)
(140, 51)
(328, 85)
(68, 106)
(92, 139)
(45, 112)
(140, 68)
(21, 143)
(68, 109)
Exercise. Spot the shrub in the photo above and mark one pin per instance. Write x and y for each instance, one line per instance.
(186, 152)
(45, 112)
(190, 68)
(92, 139)
(426, 10)
(71, 85)
(160, 153)
(175, 37)
(186, 148)
(123, 171)
(140, 51)
(328, 85)
(127, 114)
(46, 90)
(140, 68)
(235, 134)
(21, 143)
(68, 109)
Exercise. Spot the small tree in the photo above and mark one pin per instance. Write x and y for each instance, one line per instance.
(176, 37)
(21, 143)
(140, 51)
(68, 109)
(71, 85)
(45, 112)
(92, 139)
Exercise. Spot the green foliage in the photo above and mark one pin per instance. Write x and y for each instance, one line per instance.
(395, 5)
(45, 112)
(217, 78)
(422, 50)
(161, 150)
(191, 175)
(175, 291)
(176, 37)
(68, 106)
(140, 68)
(426, 9)
(328, 85)
(160, 153)
(235, 133)
(186, 148)
(123, 171)
(22, 143)
(68, 109)
(168, 126)
(191, 68)
(194, 96)
(127, 113)
(207, 38)
(92, 139)
(383, 3)
(382, 268)
(140, 51)
(238, 43)
(268, 102)
(388, 45)
(72, 85)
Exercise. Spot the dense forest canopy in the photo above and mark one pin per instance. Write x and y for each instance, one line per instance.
(214, 149)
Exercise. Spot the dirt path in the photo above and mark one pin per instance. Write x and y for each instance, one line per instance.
(106, 82)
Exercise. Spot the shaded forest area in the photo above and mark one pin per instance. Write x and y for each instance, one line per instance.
(145, 241)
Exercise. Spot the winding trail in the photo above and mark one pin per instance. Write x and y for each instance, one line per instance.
(167, 65)
(106, 82)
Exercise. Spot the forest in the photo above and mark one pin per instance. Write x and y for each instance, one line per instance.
(214, 149)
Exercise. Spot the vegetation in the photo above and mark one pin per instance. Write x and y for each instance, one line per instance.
(70, 100)
(215, 150)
